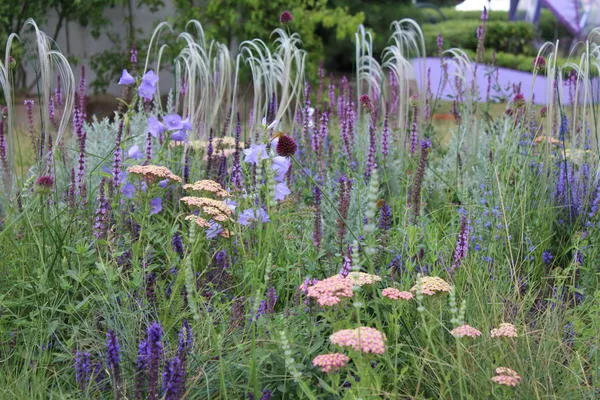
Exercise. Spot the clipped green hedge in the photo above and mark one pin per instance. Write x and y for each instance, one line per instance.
(548, 29)
(503, 36)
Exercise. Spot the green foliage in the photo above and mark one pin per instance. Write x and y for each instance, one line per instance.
(548, 29)
(514, 37)
(233, 21)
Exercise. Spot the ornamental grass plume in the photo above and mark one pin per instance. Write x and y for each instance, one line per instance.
(153, 173)
(465, 330)
(504, 330)
(506, 376)
(207, 185)
(363, 339)
(395, 294)
(330, 362)
(430, 285)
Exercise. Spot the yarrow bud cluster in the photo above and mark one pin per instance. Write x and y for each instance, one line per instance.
(506, 376)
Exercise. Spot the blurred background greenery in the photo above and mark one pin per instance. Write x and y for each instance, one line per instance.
(326, 27)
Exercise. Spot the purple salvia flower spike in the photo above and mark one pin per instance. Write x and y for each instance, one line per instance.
(154, 353)
(385, 137)
(371, 164)
(113, 357)
(83, 369)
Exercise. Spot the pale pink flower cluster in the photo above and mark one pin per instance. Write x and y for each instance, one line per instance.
(207, 185)
(465, 330)
(153, 172)
(362, 278)
(431, 285)
(506, 376)
(395, 294)
(330, 291)
(365, 339)
(504, 330)
(330, 362)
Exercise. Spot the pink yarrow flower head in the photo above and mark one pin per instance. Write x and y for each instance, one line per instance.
(330, 291)
(286, 17)
(330, 362)
(504, 330)
(506, 376)
(465, 330)
(395, 294)
(363, 339)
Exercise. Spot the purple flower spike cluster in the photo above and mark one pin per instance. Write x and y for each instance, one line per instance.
(150, 355)
(113, 356)
(462, 241)
(83, 369)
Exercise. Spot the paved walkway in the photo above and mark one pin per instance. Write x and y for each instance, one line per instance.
(501, 82)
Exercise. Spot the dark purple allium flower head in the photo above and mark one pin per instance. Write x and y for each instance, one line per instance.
(539, 62)
(45, 182)
(519, 100)
(286, 146)
(286, 17)
(365, 101)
